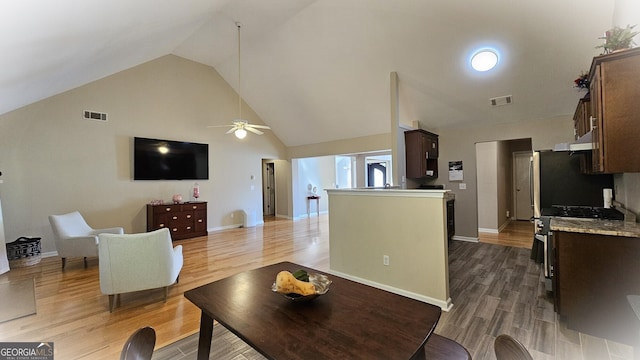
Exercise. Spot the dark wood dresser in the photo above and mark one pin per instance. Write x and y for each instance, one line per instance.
(185, 220)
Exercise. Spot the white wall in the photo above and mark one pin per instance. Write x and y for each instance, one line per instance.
(319, 172)
(53, 161)
(486, 160)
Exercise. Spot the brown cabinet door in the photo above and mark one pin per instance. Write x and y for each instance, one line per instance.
(421, 154)
(615, 89)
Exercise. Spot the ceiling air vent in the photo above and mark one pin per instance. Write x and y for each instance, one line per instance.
(94, 115)
(501, 100)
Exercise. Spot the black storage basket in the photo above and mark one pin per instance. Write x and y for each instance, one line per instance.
(24, 252)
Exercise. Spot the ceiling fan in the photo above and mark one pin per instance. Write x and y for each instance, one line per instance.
(240, 127)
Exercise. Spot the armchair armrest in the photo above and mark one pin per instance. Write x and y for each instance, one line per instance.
(113, 230)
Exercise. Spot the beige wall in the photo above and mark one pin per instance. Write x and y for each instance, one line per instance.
(459, 144)
(409, 226)
(53, 161)
(340, 147)
(487, 183)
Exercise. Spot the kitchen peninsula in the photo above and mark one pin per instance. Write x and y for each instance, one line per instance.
(394, 239)
(597, 266)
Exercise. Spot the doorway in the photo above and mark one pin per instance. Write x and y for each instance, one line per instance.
(376, 174)
(499, 177)
(269, 190)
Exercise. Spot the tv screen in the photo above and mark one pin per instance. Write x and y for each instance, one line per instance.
(155, 159)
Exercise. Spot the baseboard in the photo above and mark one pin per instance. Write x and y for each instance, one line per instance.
(490, 231)
(444, 305)
(466, 238)
(504, 225)
(312, 215)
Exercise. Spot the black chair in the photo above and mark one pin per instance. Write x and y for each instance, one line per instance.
(508, 348)
(140, 345)
(441, 348)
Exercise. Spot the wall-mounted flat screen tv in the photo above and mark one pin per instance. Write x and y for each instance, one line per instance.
(156, 159)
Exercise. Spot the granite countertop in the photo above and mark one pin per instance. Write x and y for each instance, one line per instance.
(596, 226)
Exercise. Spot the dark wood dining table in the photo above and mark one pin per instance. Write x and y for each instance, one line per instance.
(351, 321)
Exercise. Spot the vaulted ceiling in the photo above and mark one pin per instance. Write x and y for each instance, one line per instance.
(319, 70)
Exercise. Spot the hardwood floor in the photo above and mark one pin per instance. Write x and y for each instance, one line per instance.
(518, 233)
(495, 289)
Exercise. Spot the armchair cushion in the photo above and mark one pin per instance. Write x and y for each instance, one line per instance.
(134, 262)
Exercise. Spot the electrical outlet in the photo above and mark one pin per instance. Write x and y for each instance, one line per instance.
(385, 260)
(507, 214)
(462, 186)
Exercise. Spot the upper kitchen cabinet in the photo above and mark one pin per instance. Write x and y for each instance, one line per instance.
(615, 108)
(421, 154)
(582, 117)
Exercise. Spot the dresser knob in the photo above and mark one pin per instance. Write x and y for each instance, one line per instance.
(174, 229)
(167, 209)
(199, 220)
(161, 225)
(175, 218)
(195, 207)
(188, 216)
(188, 227)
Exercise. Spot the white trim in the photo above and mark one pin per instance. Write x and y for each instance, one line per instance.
(444, 305)
(504, 225)
(466, 238)
(439, 194)
(313, 215)
(49, 254)
(490, 231)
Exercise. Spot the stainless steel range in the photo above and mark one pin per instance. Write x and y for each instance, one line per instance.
(559, 188)
(545, 235)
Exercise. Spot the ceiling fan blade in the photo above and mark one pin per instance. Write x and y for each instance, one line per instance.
(255, 131)
(216, 126)
(231, 130)
(259, 126)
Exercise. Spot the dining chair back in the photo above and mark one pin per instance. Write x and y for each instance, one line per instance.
(508, 348)
(140, 345)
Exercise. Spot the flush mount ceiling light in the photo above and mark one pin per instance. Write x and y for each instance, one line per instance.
(240, 127)
(484, 60)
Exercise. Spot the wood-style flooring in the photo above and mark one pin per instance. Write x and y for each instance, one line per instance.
(516, 234)
(495, 289)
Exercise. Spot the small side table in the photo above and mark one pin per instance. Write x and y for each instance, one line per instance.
(317, 199)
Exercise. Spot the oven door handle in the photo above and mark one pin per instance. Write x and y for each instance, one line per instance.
(543, 238)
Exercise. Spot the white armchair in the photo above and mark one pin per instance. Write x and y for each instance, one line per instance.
(75, 238)
(135, 262)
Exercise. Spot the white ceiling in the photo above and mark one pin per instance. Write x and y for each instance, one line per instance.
(318, 70)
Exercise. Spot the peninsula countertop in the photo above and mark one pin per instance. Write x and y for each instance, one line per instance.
(396, 191)
(596, 226)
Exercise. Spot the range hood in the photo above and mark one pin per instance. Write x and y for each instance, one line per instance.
(584, 143)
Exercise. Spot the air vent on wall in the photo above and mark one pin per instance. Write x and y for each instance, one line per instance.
(501, 100)
(94, 115)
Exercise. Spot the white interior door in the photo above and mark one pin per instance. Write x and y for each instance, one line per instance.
(522, 197)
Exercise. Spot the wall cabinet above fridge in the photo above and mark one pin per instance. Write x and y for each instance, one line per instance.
(421, 149)
(615, 111)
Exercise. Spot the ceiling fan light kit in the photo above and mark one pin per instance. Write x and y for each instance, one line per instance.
(240, 127)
